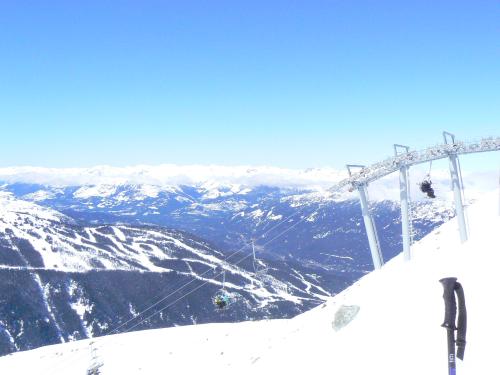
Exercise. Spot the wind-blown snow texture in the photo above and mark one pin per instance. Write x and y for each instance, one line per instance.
(396, 331)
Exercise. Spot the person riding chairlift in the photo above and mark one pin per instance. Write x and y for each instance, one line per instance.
(221, 301)
(426, 187)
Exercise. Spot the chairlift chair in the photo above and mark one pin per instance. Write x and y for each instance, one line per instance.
(222, 299)
(426, 184)
(426, 187)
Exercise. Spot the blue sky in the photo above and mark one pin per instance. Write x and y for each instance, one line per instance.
(286, 83)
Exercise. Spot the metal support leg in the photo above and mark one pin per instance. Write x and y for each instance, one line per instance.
(405, 220)
(370, 229)
(457, 192)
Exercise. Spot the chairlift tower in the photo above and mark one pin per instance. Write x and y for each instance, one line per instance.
(404, 195)
(401, 162)
(456, 186)
(371, 230)
(95, 363)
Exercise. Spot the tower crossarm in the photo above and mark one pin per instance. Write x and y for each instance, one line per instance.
(393, 164)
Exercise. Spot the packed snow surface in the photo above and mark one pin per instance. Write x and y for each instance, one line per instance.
(391, 323)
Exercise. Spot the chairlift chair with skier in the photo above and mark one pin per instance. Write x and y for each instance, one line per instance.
(222, 299)
(426, 184)
(426, 187)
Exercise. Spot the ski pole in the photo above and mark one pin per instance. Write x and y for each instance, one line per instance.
(452, 287)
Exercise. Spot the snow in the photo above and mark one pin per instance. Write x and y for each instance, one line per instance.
(396, 315)
(119, 234)
(68, 248)
(11, 208)
(46, 295)
(39, 195)
(95, 191)
(218, 180)
(322, 235)
(149, 191)
(271, 216)
(81, 306)
(238, 179)
(44, 229)
(337, 256)
(257, 213)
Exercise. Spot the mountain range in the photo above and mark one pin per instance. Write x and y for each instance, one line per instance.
(81, 261)
(387, 322)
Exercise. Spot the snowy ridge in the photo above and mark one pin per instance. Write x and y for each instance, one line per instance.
(394, 325)
(229, 216)
(168, 175)
(69, 281)
(11, 209)
(44, 239)
(217, 181)
(58, 261)
(76, 249)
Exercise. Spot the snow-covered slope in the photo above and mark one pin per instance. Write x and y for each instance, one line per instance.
(396, 330)
(62, 245)
(230, 216)
(61, 281)
(229, 206)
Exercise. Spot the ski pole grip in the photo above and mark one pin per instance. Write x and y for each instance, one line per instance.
(450, 306)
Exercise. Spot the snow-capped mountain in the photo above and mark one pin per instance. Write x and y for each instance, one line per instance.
(389, 322)
(168, 175)
(70, 266)
(325, 225)
(62, 281)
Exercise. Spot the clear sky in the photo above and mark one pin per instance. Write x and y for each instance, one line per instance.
(284, 83)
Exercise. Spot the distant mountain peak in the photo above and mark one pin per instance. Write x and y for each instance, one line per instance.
(175, 175)
(12, 208)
